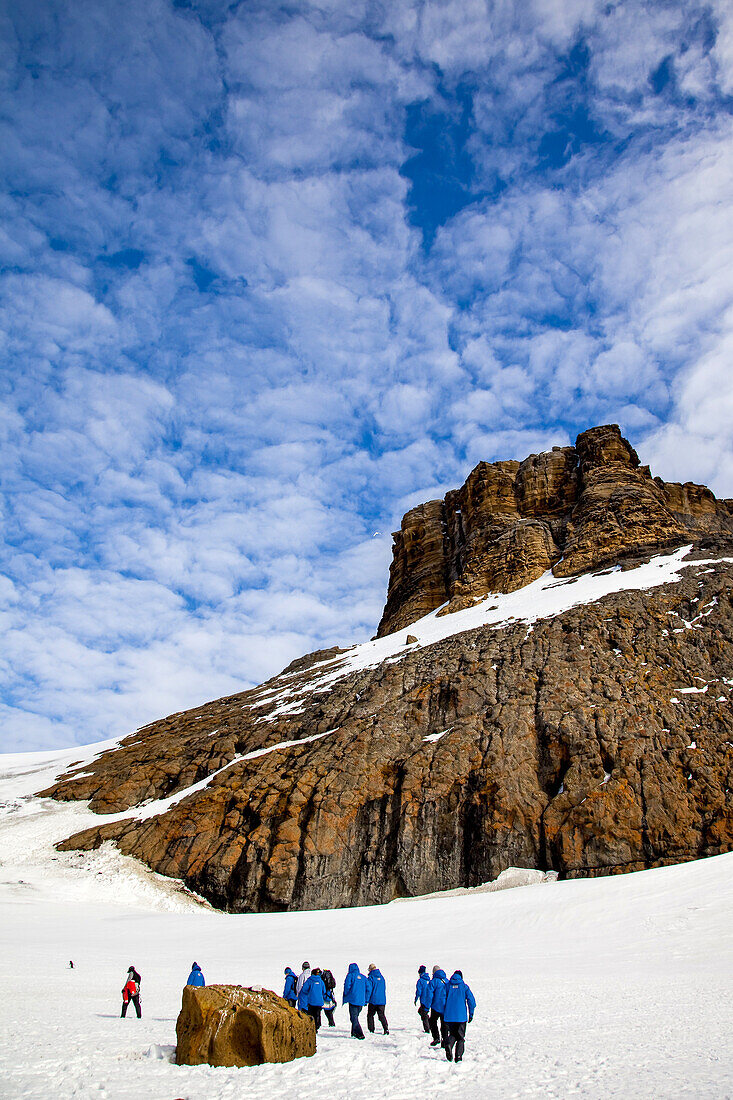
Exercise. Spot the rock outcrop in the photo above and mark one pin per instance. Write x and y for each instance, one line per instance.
(230, 1025)
(572, 510)
(595, 741)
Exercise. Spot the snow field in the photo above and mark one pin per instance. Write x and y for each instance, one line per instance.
(611, 987)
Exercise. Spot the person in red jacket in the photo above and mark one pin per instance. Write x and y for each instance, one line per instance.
(131, 992)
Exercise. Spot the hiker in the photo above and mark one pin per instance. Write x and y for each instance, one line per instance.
(314, 994)
(376, 998)
(421, 993)
(302, 1000)
(303, 977)
(329, 1004)
(196, 977)
(71, 964)
(355, 996)
(131, 992)
(329, 1007)
(460, 1005)
(291, 982)
(436, 992)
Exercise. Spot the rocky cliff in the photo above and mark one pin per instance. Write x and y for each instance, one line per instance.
(572, 509)
(579, 723)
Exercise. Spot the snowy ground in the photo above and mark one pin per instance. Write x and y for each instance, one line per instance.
(604, 988)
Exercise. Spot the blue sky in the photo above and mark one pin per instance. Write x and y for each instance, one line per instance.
(273, 274)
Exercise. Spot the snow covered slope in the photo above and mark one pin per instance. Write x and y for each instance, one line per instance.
(544, 598)
(613, 987)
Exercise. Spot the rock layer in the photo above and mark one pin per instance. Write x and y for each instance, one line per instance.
(572, 509)
(230, 1025)
(597, 742)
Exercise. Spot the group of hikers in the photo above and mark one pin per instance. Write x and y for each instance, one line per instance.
(445, 1005)
(312, 991)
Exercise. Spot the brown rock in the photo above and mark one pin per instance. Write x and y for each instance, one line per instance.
(558, 749)
(572, 509)
(569, 747)
(230, 1025)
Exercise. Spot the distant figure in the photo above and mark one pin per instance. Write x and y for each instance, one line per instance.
(71, 964)
(314, 994)
(131, 992)
(376, 999)
(329, 1005)
(303, 977)
(291, 981)
(437, 991)
(355, 996)
(460, 1005)
(195, 977)
(421, 997)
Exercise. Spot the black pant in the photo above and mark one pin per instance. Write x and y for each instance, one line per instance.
(329, 1016)
(456, 1033)
(377, 1010)
(356, 1028)
(315, 1012)
(424, 1015)
(435, 1019)
(136, 1001)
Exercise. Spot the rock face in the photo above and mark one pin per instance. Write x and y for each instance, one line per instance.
(572, 510)
(599, 740)
(229, 1025)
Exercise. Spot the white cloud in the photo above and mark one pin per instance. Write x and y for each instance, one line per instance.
(230, 363)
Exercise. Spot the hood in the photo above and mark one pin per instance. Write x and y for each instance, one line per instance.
(376, 972)
(455, 977)
(289, 971)
(353, 967)
(195, 966)
(440, 974)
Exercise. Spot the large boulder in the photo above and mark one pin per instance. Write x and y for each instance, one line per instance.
(230, 1025)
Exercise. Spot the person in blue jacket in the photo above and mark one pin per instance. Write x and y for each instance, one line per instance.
(302, 997)
(436, 994)
(460, 1005)
(355, 996)
(289, 990)
(313, 994)
(376, 999)
(195, 977)
(421, 993)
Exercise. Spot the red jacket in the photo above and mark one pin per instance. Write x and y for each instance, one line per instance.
(129, 990)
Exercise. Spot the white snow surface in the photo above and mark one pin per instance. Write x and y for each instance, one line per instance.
(612, 987)
(544, 598)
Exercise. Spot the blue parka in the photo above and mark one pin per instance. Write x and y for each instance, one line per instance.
(313, 991)
(421, 990)
(290, 982)
(460, 1003)
(376, 990)
(195, 977)
(355, 987)
(437, 991)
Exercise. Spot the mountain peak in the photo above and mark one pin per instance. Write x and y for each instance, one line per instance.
(571, 510)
